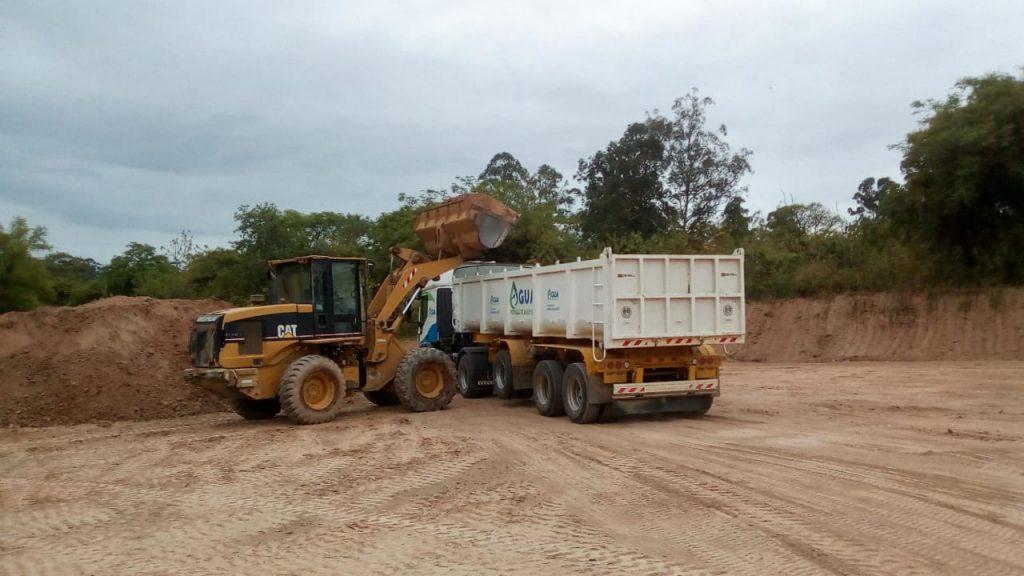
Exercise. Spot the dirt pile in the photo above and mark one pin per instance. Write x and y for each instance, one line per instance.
(968, 326)
(114, 359)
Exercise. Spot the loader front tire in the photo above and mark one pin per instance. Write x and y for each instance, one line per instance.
(425, 380)
(311, 390)
(256, 409)
(384, 397)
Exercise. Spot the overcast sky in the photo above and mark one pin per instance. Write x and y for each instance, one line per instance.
(124, 121)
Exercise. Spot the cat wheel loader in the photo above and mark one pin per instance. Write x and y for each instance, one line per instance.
(317, 341)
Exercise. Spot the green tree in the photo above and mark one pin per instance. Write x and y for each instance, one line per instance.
(267, 233)
(869, 197)
(736, 220)
(623, 195)
(217, 273)
(140, 271)
(24, 282)
(76, 280)
(545, 229)
(964, 174)
(702, 172)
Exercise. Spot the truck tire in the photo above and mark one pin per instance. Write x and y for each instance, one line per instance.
(703, 404)
(311, 390)
(547, 388)
(504, 387)
(384, 397)
(575, 396)
(473, 369)
(425, 380)
(256, 409)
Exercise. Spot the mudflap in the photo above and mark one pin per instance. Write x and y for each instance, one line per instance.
(664, 405)
(522, 377)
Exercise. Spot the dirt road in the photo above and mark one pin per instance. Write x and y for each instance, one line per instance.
(859, 468)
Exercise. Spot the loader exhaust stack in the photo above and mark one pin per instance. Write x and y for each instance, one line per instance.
(464, 226)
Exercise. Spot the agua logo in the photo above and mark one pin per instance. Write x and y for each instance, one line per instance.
(517, 297)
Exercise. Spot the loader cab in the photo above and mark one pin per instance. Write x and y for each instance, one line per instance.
(333, 287)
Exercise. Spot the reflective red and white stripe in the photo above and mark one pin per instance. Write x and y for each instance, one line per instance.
(638, 342)
(409, 277)
(676, 386)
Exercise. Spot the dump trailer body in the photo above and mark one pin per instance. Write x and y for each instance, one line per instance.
(616, 300)
(641, 328)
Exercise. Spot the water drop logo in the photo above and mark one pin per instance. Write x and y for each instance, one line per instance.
(517, 297)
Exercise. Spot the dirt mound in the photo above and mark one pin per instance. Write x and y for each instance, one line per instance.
(957, 326)
(114, 359)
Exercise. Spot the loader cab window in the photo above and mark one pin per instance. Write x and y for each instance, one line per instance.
(290, 284)
(337, 298)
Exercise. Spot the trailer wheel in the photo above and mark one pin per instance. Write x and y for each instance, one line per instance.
(576, 398)
(311, 390)
(425, 380)
(503, 385)
(473, 369)
(547, 388)
(256, 409)
(384, 397)
(701, 406)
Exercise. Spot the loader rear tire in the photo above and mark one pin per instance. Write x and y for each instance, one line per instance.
(576, 397)
(472, 369)
(425, 380)
(504, 387)
(384, 397)
(547, 388)
(311, 390)
(256, 409)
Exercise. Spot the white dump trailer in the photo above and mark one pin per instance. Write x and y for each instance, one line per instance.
(617, 333)
(615, 301)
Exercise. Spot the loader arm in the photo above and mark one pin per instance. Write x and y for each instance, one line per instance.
(452, 232)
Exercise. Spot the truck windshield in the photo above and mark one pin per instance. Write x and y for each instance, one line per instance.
(291, 285)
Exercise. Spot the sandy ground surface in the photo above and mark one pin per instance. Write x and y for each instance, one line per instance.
(854, 468)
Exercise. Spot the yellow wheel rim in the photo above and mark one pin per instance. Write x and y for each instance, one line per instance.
(430, 380)
(318, 391)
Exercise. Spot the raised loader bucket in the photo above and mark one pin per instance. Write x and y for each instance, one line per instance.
(465, 225)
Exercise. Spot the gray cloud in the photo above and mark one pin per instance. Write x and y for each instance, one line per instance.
(124, 122)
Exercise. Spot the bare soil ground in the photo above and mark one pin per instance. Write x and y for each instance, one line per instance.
(852, 468)
(977, 324)
(118, 358)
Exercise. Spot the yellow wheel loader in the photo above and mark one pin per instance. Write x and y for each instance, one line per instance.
(317, 342)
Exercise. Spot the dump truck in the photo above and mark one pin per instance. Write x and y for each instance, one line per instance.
(318, 340)
(622, 333)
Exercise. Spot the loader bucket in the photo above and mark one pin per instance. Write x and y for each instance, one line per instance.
(465, 226)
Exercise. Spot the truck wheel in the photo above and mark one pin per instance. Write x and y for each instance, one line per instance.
(311, 390)
(473, 369)
(547, 388)
(575, 397)
(256, 409)
(384, 397)
(503, 385)
(425, 380)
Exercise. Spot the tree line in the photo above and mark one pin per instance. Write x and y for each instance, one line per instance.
(669, 184)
